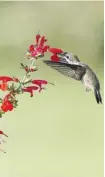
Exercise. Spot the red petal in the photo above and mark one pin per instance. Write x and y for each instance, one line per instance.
(5, 100)
(3, 86)
(4, 108)
(55, 58)
(31, 48)
(10, 107)
(32, 88)
(39, 82)
(6, 78)
(55, 50)
(45, 48)
(37, 38)
(28, 90)
(42, 41)
(34, 53)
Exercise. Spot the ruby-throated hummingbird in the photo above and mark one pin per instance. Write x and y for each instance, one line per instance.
(70, 66)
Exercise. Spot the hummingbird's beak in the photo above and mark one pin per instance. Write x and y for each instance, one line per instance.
(62, 55)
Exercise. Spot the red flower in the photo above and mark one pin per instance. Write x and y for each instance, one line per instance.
(4, 86)
(31, 48)
(30, 89)
(39, 48)
(55, 51)
(55, 58)
(7, 106)
(37, 38)
(2, 133)
(40, 83)
(5, 79)
(42, 41)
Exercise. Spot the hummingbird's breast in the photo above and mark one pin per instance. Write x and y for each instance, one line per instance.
(90, 80)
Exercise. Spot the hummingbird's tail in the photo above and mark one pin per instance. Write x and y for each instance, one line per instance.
(98, 96)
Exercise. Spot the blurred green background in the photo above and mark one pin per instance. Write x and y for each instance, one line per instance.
(59, 132)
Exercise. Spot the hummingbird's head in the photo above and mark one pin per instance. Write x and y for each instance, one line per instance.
(69, 56)
(65, 55)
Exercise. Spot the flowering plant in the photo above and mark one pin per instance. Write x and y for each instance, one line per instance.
(25, 84)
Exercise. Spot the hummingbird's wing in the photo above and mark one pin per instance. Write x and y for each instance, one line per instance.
(74, 71)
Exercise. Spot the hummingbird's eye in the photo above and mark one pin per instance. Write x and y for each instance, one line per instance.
(67, 57)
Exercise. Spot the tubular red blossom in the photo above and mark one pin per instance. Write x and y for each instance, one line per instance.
(42, 41)
(7, 106)
(35, 53)
(10, 107)
(4, 86)
(30, 89)
(6, 78)
(37, 38)
(55, 58)
(38, 49)
(40, 83)
(31, 48)
(45, 49)
(55, 50)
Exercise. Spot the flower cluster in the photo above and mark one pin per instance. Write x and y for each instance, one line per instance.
(38, 49)
(15, 86)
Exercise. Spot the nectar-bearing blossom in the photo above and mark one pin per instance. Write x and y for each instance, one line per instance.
(30, 89)
(38, 49)
(55, 51)
(7, 106)
(3, 82)
(40, 83)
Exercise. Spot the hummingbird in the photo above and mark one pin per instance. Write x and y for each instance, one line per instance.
(70, 66)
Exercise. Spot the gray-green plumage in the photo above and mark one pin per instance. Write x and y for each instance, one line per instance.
(70, 66)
